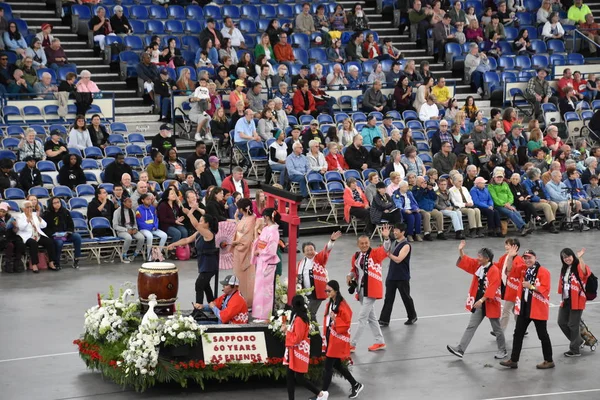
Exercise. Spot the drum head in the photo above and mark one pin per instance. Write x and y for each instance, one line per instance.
(159, 266)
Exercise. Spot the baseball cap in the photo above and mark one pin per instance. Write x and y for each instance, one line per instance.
(4, 206)
(479, 123)
(314, 122)
(515, 126)
(164, 71)
(240, 82)
(213, 159)
(499, 131)
(370, 117)
(304, 67)
(297, 128)
(165, 127)
(230, 280)
(380, 185)
(388, 116)
(479, 179)
(529, 253)
(222, 68)
(55, 132)
(28, 158)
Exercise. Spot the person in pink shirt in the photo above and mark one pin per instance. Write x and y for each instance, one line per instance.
(85, 84)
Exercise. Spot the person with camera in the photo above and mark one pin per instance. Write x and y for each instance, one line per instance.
(365, 279)
(483, 300)
(312, 273)
(398, 278)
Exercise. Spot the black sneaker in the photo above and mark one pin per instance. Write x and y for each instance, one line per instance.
(441, 236)
(383, 324)
(572, 354)
(455, 351)
(411, 321)
(356, 389)
(427, 237)
(76, 263)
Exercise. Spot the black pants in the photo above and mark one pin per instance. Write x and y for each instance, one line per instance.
(492, 216)
(330, 364)
(292, 378)
(393, 217)
(542, 332)
(203, 287)
(390, 296)
(528, 209)
(43, 242)
(368, 109)
(362, 214)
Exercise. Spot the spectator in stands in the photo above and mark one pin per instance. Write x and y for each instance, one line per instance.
(538, 92)
(495, 27)
(441, 93)
(120, 192)
(354, 48)
(267, 125)
(101, 27)
(420, 17)
(98, 132)
(377, 74)
(284, 53)
(211, 33)
(56, 57)
(125, 225)
(68, 85)
(219, 128)
(445, 159)
(590, 29)
(3, 25)
(200, 104)
(426, 198)
(461, 198)
(393, 142)
(335, 53)
(356, 205)
(374, 100)
(516, 138)
(577, 12)
(191, 184)
(522, 44)
(323, 102)
(302, 74)
(577, 191)
(18, 85)
(29, 71)
(403, 95)
(591, 164)
(304, 102)
(474, 33)
(170, 215)
(277, 153)
(377, 154)
(478, 75)
(157, 171)
(175, 168)
(199, 153)
(356, 156)
(120, 24)
(313, 133)
(245, 131)
(29, 146)
(215, 204)
(8, 176)
(355, 78)
(457, 14)
(163, 140)
(304, 21)
(29, 227)
(213, 175)
(522, 199)
(101, 206)
(61, 230)
(441, 35)
(147, 222)
(336, 79)
(79, 136)
(316, 159)
(142, 187)
(442, 135)
(423, 93)
(335, 160)
(163, 87)
(371, 48)
(29, 176)
(338, 20)
(347, 132)
(231, 32)
(147, 73)
(504, 200)
(358, 20)
(543, 13)
(470, 176)
(429, 111)
(370, 131)
(236, 182)
(382, 206)
(55, 148)
(393, 76)
(37, 53)
(71, 174)
(553, 141)
(255, 102)
(115, 171)
(507, 17)
(483, 201)
(559, 193)
(264, 48)
(552, 28)
(282, 76)
(85, 84)
(6, 70)
(14, 40)
(45, 88)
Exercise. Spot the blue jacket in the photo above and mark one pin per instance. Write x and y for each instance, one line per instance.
(12, 44)
(576, 184)
(398, 200)
(146, 218)
(425, 198)
(481, 197)
(355, 83)
(529, 185)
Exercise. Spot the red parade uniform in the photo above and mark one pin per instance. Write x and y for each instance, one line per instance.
(513, 278)
(492, 286)
(318, 273)
(373, 281)
(297, 346)
(577, 295)
(235, 311)
(540, 301)
(337, 342)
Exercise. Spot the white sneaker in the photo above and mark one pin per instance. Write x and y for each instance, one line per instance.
(125, 260)
(324, 396)
(198, 137)
(480, 92)
(586, 228)
(500, 355)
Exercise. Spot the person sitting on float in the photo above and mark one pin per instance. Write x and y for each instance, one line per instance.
(230, 307)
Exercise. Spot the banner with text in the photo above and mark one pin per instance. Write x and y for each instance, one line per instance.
(241, 347)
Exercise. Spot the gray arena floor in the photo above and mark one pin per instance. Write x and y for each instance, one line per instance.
(42, 314)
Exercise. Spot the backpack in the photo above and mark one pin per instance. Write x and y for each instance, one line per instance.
(591, 288)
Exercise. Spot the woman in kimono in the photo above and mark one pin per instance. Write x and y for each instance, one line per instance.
(265, 258)
(243, 269)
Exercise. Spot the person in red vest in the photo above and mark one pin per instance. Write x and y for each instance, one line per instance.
(231, 306)
(297, 348)
(484, 298)
(312, 273)
(574, 275)
(511, 269)
(336, 340)
(533, 304)
(365, 278)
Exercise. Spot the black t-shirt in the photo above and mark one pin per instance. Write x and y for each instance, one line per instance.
(95, 21)
(163, 144)
(50, 145)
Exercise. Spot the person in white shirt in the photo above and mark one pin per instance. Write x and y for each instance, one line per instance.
(199, 102)
(461, 198)
(316, 159)
(429, 110)
(229, 31)
(79, 136)
(336, 78)
(29, 228)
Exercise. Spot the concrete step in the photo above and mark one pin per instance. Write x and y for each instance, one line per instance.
(133, 111)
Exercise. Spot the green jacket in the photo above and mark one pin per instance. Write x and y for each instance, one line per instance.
(259, 50)
(501, 194)
(415, 17)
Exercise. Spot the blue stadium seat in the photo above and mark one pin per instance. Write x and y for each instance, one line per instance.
(158, 12)
(558, 59)
(575, 59)
(211, 11)
(523, 62)
(539, 61)
(176, 12)
(301, 55)
(510, 33)
(33, 113)
(506, 62)
(268, 11)
(556, 46)
(285, 11)
(174, 27)
(410, 115)
(138, 27)
(506, 48)
(533, 32)
(526, 18)
(93, 152)
(88, 163)
(248, 26)
(231, 11)
(539, 46)
(194, 12)
(155, 27)
(8, 154)
(138, 12)
(250, 11)
(134, 43)
(301, 40)
(14, 193)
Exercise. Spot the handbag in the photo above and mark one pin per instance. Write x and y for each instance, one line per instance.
(157, 255)
(43, 261)
(182, 252)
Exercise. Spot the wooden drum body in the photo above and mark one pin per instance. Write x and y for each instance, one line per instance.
(162, 279)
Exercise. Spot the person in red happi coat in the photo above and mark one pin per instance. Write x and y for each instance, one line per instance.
(336, 340)
(510, 271)
(483, 299)
(297, 348)
(533, 304)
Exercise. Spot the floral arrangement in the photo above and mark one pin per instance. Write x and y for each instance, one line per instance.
(112, 318)
(283, 313)
(179, 330)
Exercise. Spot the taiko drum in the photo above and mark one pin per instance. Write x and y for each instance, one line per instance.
(162, 279)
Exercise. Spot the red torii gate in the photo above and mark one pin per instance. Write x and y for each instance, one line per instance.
(287, 205)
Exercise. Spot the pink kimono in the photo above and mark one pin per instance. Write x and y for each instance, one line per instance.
(266, 263)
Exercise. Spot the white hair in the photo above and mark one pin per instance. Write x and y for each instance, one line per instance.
(46, 75)
(353, 68)
(402, 184)
(85, 73)
(117, 9)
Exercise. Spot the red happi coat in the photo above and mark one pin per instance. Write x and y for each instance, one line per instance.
(374, 280)
(577, 295)
(512, 278)
(319, 276)
(236, 311)
(338, 344)
(492, 286)
(540, 303)
(297, 346)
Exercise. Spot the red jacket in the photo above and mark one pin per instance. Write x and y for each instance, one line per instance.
(298, 102)
(338, 345)
(492, 286)
(577, 295)
(370, 51)
(332, 164)
(513, 277)
(236, 311)
(319, 276)
(349, 201)
(297, 346)
(229, 185)
(374, 275)
(540, 304)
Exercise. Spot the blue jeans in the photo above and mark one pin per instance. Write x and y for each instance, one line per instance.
(413, 222)
(150, 235)
(281, 169)
(165, 107)
(57, 67)
(477, 80)
(73, 238)
(177, 232)
(513, 215)
(302, 181)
